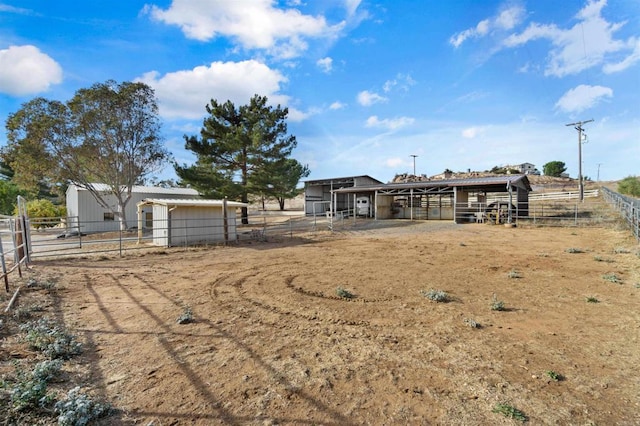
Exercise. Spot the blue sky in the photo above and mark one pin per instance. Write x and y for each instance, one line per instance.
(461, 84)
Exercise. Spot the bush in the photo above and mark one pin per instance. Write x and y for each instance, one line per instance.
(436, 295)
(79, 410)
(630, 186)
(47, 213)
(44, 335)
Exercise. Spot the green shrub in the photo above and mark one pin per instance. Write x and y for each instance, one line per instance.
(497, 305)
(79, 409)
(186, 317)
(630, 186)
(345, 294)
(45, 336)
(510, 411)
(612, 278)
(436, 295)
(45, 213)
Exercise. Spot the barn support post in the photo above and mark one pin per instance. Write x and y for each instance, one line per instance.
(510, 216)
(355, 207)
(455, 204)
(411, 203)
(375, 206)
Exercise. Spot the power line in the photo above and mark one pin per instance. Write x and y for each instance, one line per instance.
(578, 126)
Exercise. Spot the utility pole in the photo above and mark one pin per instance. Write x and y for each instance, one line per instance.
(578, 126)
(598, 179)
(414, 163)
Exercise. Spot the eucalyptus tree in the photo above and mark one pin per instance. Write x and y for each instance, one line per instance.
(108, 133)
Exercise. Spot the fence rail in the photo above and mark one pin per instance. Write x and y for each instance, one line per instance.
(627, 207)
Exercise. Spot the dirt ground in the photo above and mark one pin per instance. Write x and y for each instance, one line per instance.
(272, 343)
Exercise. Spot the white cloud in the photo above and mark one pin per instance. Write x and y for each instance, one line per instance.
(586, 44)
(394, 162)
(471, 132)
(366, 98)
(184, 94)
(402, 82)
(351, 6)
(337, 105)
(583, 97)
(389, 124)
(325, 64)
(25, 70)
(505, 20)
(255, 24)
(626, 62)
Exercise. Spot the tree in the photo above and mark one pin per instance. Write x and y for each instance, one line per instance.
(9, 192)
(630, 186)
(280, 180)
(237, 149)
(554, 168)
(108, 133)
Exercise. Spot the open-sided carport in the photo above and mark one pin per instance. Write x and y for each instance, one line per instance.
(460, 200)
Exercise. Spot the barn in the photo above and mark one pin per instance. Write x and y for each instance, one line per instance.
(498, 198)
(177, 222)
(86, 215)
(318, 193)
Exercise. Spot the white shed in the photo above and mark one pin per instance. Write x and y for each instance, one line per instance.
(189, 221)
(84, 214)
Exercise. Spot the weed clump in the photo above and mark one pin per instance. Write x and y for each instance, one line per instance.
(439, 296)
(497, 305)
(186, 316)
(45, 336)
(574, 250)
(79, 409)
(510, 412)
(612, 278)
(556, 377)
(345, 294)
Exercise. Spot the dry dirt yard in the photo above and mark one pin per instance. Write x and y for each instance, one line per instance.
(272, 343)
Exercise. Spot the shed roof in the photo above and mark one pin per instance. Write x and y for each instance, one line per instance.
(338, 180)
(190, 202)
(491, 183)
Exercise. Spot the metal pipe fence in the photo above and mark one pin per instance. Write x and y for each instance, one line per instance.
(627, 207)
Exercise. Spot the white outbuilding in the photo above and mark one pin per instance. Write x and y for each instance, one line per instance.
(85, 214)
(185, 222)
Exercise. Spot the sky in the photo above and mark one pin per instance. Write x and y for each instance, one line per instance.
(374, 88)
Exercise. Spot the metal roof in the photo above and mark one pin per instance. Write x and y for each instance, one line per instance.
(137, 189)
(191, 202)
(327, 181)
(481, 183)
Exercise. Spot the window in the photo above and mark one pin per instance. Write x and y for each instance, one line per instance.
(109, 216)
(148, 218)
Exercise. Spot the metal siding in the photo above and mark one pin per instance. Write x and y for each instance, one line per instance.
(160, 226)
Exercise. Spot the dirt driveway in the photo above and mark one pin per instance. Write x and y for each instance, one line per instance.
(272, 343)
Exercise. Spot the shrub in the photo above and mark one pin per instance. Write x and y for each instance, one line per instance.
(592, 299)
(612, 278)
(554, 376)
(30, 390)
(45, 336)
(514, 274)
(630, 186)
(345, 294)
(497, 305)
(574, 250)
(472, 323)
(436, 295)
(45, 212)
(186, 317)
(79, 410)
(510, 411)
